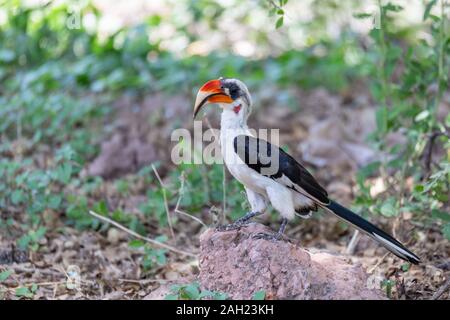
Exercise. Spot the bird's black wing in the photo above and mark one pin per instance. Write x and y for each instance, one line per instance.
(259, 155)
(271, 161)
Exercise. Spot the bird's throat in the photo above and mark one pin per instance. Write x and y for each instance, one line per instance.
(233, 118)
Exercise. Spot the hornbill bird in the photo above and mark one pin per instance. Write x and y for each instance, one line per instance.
(271, 175)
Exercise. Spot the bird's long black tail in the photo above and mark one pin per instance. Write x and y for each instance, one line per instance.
(374, 232)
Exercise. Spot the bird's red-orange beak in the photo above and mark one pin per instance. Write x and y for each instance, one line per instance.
(210, 92)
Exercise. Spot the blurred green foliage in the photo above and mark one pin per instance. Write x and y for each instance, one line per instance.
(58, 85)
(410, 85)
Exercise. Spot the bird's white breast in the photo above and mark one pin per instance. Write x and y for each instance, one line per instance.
(286, 200)
(244, 174)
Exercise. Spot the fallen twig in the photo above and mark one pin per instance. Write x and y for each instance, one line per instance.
(22, 269)
(191, 216)
(441, 290)
(137, 235)
(145, 281)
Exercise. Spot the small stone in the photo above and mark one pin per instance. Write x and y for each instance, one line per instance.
(68, 244)
(171, 275)
(113, 236)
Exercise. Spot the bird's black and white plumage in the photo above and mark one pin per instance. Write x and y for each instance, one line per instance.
(271, 175)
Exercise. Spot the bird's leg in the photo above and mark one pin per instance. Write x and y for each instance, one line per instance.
(273, 236)
(239, 222)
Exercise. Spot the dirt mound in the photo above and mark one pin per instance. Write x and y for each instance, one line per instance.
(235, 263)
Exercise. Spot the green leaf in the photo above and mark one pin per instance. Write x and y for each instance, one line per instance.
(388, 208)
(279, 22)
(54, 201)
(63, 173)
(428, 8)
(136, 243)
(405, 267)
(39, 233)
(444, 216)
(259, 295)
(24, 292)
(422, 115)
(65, 153)
(161, 257)
(369, 170)
(171, 297)
(5, 275)
(206, 293)
(388, 284)
(192, 291)
(101, 208)
(220, 296)
(362, 15)
(392, 7)
(447, 120)
(23, 241)
(213, 295)
(17, 196)
(446, 231)
(34, 288)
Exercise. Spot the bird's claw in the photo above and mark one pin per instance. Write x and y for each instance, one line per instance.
(232, 226)
(268, 236)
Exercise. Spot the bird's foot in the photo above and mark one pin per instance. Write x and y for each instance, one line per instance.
(276, 236)
(239, 223)
(232, 226)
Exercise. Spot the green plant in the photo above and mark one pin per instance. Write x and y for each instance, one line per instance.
(5, 275)
(259, 295)
(411, 79)
(388, 284)
(192, 291)
(152, 257)
(25, 292)
(276, 8)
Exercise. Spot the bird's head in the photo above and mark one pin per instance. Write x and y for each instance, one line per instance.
(230, 94)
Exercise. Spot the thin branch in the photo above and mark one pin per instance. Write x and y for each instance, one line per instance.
(191, 216)
(145, 281)
(166, 205)
(378, 263)
(137, 235)
(180, 196)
